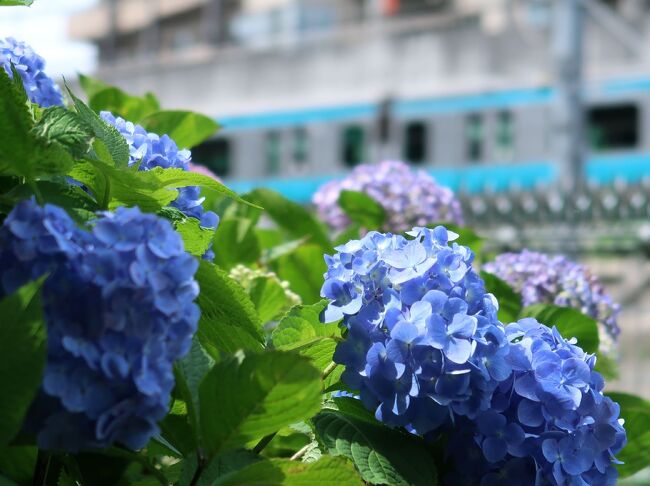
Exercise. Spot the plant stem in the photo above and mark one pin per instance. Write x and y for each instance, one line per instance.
(328, 371)
(41, 468)
(37, 192)
(106, 198)
(300, 453)
(263, 443)
(200, 465)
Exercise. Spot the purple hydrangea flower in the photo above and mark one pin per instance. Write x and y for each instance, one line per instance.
(119, 310)
(410, 197)
(545, 279)
(423, 341)
(151, 150)
(40, 88)
(551, 412)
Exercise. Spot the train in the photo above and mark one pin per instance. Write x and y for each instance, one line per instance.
(493, 141)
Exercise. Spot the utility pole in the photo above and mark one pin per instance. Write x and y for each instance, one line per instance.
(111, 39)
(569, 116)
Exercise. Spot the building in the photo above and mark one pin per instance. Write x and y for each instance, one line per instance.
(312, 87)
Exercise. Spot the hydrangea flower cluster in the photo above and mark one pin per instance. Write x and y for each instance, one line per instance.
(119, 310)
(424, 349)
(545, 279)
(151, 150)
(40, 88)
(550, 419)
(423, 339)
(410, 197)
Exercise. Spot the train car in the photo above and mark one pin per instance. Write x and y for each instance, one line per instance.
(492, 141)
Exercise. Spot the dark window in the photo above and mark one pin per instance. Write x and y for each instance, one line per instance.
(613, 127)
(474, 137)
(300, 146)
(353, 145)
(505, 135)
(273, 153)
(415, 142)
(384, 121)
(215, 155)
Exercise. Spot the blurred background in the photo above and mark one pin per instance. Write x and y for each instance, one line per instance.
(536, 112)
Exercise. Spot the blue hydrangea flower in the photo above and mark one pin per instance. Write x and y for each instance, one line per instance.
(119, 310)
(40, 88)
(545, 279)
(423, 340)
(410, 197)
(552, 411)
(151, 150)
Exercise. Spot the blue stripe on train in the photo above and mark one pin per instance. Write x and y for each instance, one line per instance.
(476, 179)
(423, 106)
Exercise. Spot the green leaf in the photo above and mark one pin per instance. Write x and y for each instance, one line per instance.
(12, 3)
(150, 190)
(113, 140)
(302, 331)
(173, 178)
(17, 463)
(195, 238)
(237, 243)
(291, 217)
(570, 322)
(328, 471)
(131, 108)
(351, 407)
(22, 152)
(114, 187)
(65, 127)
(187, 129)
(247, 400)
(381, 455)
(636, 412)
(189, 372)
(269, 298)
(65, 480)
(72, 198)
(363, 209)
(509, 300)
(177, 431)
(226, 463)
(607, 366)
(273, 252)
(321, 354)
(228, 321)
(91, 85)
(20, 88)
(303, 268)
(352, 232)
(22, 356)
(302, 327)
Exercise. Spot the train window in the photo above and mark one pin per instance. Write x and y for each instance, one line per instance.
(474, 137)
(353, 145)
(505, 135)
(613, 127)
(215, 155)
(273, 154)
(300, 146)
(415, 142)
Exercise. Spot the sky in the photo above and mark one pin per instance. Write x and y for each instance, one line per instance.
(44, 26)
